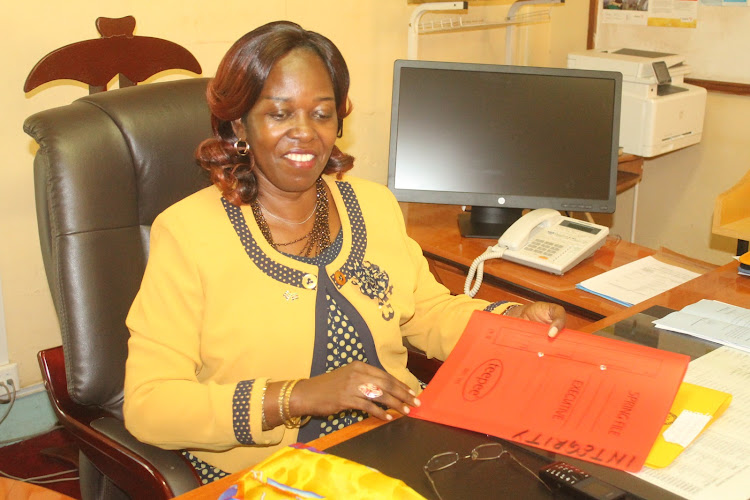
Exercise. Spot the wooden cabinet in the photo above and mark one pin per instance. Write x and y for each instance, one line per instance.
(732, 214)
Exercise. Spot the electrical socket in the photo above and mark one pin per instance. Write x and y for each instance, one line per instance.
(9, 372)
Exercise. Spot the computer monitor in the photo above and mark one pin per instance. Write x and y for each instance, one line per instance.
(501, 139)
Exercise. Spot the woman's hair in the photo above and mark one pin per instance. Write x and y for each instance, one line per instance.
(236, 88)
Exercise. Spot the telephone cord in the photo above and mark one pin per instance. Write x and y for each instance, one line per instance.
(477, 267)
(11, 398)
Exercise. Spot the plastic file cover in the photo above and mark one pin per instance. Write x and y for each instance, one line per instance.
(588, 397)
(692, 402)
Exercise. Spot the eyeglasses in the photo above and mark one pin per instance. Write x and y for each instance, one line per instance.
(488, 451)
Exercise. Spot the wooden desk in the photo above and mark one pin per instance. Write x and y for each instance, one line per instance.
(435, 228)
(722, 284)
(629, 172)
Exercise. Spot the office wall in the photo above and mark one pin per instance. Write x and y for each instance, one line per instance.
(3, 335)
(370, 33)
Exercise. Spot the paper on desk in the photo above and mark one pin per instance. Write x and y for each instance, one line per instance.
(637, 281)
(580, 395)
(717, 463)
(711, 320)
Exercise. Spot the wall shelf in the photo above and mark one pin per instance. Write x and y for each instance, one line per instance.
(513, 18)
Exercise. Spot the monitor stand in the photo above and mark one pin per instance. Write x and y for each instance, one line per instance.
(487, 222)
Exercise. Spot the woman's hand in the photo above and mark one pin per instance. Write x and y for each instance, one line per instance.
(543, 312)
(345, 388)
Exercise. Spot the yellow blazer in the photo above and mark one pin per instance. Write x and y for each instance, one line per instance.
(212, 313)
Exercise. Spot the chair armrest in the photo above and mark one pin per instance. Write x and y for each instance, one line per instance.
(177, 472)
(140, 470)
(420, 365)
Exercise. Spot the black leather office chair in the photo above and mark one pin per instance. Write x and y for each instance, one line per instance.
(107, 164)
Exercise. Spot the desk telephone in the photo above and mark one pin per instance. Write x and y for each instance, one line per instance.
(543, 239)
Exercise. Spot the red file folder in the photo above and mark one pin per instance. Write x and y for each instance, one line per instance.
(579, 395)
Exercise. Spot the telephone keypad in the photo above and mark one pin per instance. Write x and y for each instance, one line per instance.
(543, 247)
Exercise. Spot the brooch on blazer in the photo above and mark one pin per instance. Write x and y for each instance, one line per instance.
(372, 281)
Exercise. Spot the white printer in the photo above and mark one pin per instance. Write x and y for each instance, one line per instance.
(660, 113)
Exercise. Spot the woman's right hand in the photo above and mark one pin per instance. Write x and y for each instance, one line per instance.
(345, 388)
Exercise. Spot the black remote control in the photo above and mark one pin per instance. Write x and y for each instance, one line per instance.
(571, 479)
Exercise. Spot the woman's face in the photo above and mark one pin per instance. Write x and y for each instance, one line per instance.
(292, 127)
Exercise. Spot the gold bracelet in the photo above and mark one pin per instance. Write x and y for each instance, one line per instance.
(264, 424)
(281, 399)
(510, 307)
(292, 422)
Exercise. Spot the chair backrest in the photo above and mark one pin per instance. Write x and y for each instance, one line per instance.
(118, 52)
(107, 165)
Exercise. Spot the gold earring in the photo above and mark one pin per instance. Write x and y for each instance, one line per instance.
(242, 147)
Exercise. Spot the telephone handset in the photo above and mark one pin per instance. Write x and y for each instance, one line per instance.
(543, 239)
(518, 234)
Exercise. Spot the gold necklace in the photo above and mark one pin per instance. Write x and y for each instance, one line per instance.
(287, 220)
(319, 237)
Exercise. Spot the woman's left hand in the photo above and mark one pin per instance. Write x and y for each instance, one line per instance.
(543, 312)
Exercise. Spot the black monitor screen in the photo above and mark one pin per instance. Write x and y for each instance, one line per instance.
(504, 137)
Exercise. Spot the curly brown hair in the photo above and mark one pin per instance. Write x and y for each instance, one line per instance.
(235, 89)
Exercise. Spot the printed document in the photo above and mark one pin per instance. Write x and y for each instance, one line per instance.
(717, 464)
(637, 281)
(711, 320)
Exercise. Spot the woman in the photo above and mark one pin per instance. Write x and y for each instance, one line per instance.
(275, 302)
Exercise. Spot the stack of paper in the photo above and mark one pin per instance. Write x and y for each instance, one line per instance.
(637, 281)
(717, 463)
(713, 321)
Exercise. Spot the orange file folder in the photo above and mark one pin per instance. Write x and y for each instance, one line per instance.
(579, 395)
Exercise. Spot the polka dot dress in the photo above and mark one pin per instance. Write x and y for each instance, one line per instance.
(207, 473)
(241, 411)
(343, 347)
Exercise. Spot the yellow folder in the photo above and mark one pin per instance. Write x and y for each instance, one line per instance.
(690, 398)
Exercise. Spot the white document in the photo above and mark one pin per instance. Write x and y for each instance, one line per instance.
(637, 281)
(717, 464)
(711, 320)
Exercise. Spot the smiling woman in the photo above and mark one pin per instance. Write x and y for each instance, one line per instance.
(241, 85)
(275, 302)
(291, 131)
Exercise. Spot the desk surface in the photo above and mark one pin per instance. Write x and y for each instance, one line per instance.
(723, 283)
